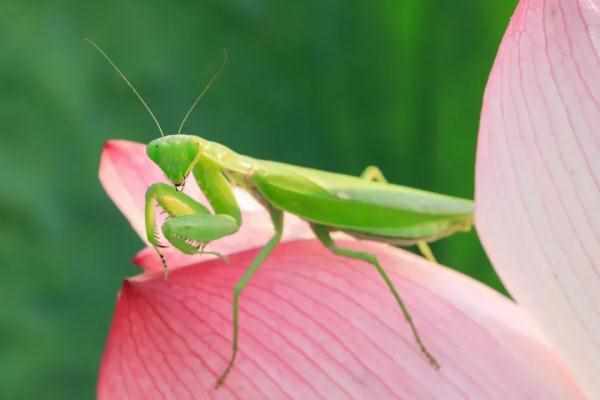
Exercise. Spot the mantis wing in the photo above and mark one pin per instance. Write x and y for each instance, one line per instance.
(359, 206)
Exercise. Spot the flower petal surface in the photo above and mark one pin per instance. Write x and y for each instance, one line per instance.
(317, 326)
(538, 174)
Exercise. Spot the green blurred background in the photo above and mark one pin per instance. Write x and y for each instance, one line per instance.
(332, 84)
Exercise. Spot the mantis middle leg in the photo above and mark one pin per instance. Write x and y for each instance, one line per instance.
(374, 174)
(277, 219)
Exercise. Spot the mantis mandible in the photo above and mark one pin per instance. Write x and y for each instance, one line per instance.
(365, 207)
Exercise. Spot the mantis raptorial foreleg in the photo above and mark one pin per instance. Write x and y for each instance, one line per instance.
(277, 218)
(190, 224)
(189, 232)
(174, 203)
(324, 237)
(374, 174)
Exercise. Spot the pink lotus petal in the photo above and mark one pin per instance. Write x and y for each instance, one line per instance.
(126, 172)
(318, 326)
(538, 174)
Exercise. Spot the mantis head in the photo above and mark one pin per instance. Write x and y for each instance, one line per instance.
(175, 155)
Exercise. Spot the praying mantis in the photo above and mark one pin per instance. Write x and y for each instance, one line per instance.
(365, 207)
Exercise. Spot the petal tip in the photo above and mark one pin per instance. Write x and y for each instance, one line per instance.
(137, 260)
(108, 144)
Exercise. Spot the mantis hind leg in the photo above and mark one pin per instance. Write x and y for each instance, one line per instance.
(426, 251)
(277, 218)
(324, 237)
(374, 174)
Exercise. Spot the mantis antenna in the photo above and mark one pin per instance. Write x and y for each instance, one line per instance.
(110, 61)
(208, 85)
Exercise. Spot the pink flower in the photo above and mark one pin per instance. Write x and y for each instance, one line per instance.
(317, 326)
(538, 174)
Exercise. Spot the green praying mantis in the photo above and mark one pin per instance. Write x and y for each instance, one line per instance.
(365, 207)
